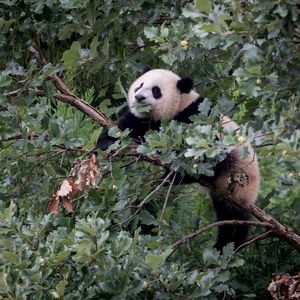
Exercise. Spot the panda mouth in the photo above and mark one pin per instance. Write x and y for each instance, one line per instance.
(142, 107)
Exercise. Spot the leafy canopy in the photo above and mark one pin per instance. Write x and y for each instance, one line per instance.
(244, 57)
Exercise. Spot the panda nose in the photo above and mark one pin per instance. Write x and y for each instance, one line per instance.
(139, 98)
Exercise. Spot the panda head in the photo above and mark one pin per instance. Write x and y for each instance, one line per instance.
(165, 92)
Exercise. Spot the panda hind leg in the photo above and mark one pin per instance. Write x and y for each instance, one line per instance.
(229, 233)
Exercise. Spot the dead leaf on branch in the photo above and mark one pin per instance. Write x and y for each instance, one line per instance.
(285, 287)
(87, 173)
(65, 193)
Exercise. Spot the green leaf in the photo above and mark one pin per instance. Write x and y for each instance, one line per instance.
(60, 287)
(151, 32)
(211, 256)
(154, 261)
(229, 140)
(7, 214)
(189, 11)
(3, 282)
(281, 10)
(11, 257)
(203, 5)
(71, 57)
(4, 80)
(94, 45)
(142, 107)
(61, 256)
(114, 132)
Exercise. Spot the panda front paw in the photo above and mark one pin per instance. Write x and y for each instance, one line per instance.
(104, 141)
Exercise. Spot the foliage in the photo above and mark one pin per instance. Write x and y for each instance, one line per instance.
(244, 57)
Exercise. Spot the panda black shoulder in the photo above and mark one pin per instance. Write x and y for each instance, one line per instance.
(192, 109)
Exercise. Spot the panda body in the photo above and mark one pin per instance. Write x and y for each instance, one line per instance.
(173, 98)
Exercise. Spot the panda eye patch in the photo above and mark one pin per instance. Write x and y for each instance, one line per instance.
(141, 85)
(156, 92)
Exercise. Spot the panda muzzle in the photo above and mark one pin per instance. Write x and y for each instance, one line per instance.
(139, 98)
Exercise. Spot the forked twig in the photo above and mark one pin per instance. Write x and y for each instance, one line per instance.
(140, 206)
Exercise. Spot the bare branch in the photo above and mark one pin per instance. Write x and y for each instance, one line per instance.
(255, 239)
(166, 200)
(198, 232)
(141, 205)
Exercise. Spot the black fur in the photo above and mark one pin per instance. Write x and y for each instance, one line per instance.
(226, 210)
(104, 141)
(138, 128)
(156, 92)
(185, 85)
(192, 109)
(146, 69)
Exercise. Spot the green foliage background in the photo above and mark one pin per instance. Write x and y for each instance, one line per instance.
(244, 57)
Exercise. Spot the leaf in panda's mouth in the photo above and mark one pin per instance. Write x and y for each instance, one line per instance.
(142, 107)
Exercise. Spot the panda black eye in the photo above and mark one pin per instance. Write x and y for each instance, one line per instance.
(141, 85)
(156, 92)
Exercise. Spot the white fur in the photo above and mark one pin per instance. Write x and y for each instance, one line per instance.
(248, 192)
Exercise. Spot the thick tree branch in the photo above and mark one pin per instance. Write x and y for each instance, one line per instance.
(66, 96)
(279, 229)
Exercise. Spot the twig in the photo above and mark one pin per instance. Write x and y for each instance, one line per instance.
(255, 239)
(140, 206)
(265, 145)
(166, 200)
(190, 236)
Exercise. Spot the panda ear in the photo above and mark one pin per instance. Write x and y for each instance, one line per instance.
(185, 85)
(146, 69)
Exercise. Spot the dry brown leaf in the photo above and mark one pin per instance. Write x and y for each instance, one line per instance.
(67, 188)
(54, 203)
(88, 173)
(285, 287)
(65, 193)
(68, 205)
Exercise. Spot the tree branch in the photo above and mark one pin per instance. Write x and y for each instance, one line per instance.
(267, 220)
(192, 235)
(66, 96)
(141, 205)
(255, 239)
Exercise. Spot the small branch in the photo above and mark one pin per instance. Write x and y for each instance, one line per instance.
(190, 236)
(34, 136)
(86, 108)
(140, 206)
(30, 136)
(21, 90)
(166, 200)
(255, 239)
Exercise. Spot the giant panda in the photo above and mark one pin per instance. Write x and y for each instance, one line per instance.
(173, 98)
